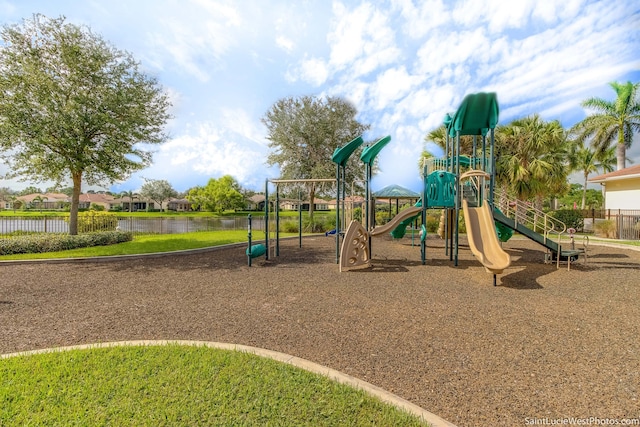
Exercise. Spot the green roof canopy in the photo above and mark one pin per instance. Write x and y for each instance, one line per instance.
(342, 154)
(476, 115)
(396, 192)
(369, 153)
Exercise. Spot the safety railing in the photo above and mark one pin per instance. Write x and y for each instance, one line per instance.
(534, 219)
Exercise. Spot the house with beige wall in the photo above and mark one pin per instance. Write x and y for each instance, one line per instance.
(621, 188)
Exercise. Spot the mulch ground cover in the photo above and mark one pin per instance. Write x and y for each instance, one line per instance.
(545, 343)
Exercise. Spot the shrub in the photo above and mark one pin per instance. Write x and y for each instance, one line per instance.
(96, 207)
(382, 217)
(93, 220)
(290, 226)
(462, 226)
(357, 214)
(51, 242)
(606, 228)
(433, 222)
(315, 226)
(572, 218)
(329, 222)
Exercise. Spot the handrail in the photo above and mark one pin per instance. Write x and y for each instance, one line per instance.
(525, 214)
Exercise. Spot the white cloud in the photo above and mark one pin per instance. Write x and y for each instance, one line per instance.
(192, 38)
(391, 85)
(421, 19)
(312, 70)
(285, 43)
(239, 122)
(210, 151)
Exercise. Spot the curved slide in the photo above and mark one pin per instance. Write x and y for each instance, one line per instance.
(483, 240)
(405, 214)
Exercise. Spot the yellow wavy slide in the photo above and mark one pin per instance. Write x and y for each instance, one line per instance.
(483, 239)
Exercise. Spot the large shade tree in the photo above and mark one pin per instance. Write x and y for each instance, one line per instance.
(218, 195)
(72, 106)
(157, 190)
(613, 123)
(303, 134)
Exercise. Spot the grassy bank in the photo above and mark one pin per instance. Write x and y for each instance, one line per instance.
(178, 385)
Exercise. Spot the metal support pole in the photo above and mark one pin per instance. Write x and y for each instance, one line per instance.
(266, 216)
(299, 219)
(338, 213)
(249, 236)
(277, 208)
(423, 239)
(457, 200)
(492, 181)
(370, 221)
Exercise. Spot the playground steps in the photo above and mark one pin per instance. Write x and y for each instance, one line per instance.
(470, 194)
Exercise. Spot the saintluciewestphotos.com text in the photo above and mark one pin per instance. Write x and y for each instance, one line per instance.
(591, 421)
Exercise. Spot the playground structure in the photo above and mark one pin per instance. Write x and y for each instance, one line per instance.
(454, 183)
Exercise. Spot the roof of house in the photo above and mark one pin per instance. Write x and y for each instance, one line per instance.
(257, 198)
(96, 198)
(626, 173)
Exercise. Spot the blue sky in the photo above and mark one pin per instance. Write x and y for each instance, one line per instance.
(402, 63)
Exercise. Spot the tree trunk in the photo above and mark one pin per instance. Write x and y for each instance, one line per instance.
(621, 151)
(584, 192)
(75, 202)
(312, 198)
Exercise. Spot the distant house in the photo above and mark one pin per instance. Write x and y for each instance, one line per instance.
(295, 204)
(178, 205)
(133, 204)
(349, 202)
(5, 202)
(621, 188)
(256, 202)
(44, 201)
(105, 200)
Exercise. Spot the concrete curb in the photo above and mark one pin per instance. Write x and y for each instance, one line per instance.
(385, 396)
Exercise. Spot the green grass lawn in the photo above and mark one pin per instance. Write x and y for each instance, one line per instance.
(179, 385)
(143, 244)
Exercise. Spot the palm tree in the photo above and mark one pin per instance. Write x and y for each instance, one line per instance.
(588, 161)
(131, 195)
(530, 158)
(439, 137)
(613, 123)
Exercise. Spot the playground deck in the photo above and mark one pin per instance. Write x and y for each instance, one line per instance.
(546, 342)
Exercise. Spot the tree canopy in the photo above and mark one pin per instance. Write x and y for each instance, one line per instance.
(613, 122)
(531, 157)
(73, 106)
(157, 190)
(303, 134)
(586, 160)
(218, 195)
